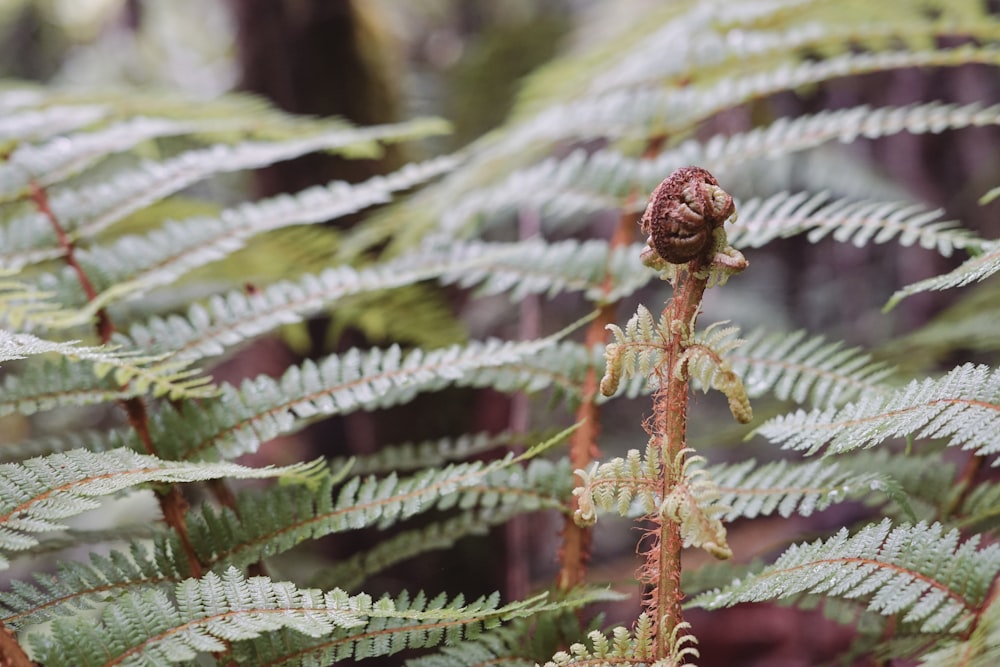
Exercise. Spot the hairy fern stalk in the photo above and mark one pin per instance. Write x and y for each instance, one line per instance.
(138, 526)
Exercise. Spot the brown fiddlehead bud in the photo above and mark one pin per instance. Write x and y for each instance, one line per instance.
(683, 213)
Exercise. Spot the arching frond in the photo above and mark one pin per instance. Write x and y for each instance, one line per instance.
(286, 516)
(920, 573)
(750, 490)
(429, 453)
(859, 222)
(674, 111)
(79, 586)
(40, 492)
(807, 370)
(352, 572)
(60, 157)
(104, 375)
(218, 613)
(41, 124)
(178, 247)
(85, 211)
(263, 408)
(520, 268)
(979, 267)
(962, 407)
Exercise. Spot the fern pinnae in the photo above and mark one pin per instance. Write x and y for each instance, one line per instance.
(591, 179)
(40, 124)
(42, 491)
(919, 572)
(56, 159)
(961, 407)
(749, 489)
(980, 266)
(285, 516)
(807, 370)
(167, 253)
(234, 317)
(77, 586)
(858, 222)
(263, 408)
(88, 210)
(352, 572)
(209, 614)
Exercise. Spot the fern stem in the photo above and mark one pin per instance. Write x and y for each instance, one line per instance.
(11, 653)
(583, 450)
(670, 407)
(41, 200)
(172, 503)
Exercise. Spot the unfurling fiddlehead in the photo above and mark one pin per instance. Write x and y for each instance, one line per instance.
(683, 214)
(684, 225)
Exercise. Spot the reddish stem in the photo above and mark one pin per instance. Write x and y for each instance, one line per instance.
(172, 503)
(583, 450)
(662, 572)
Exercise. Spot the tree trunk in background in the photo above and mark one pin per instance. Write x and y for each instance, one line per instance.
(320, 57)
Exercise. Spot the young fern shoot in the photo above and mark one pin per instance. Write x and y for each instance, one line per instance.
(687, 245)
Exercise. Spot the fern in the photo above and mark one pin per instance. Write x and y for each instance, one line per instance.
(263, 408)
(807, 370)
(130, 253)
(750, 490)
(40, 492)
(289, 516)
(859, 222)
(109, 373)
(960, 407)
(919, 573)
(204, 615)
(979, 267)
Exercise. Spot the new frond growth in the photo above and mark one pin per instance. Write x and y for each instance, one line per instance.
(624, 647)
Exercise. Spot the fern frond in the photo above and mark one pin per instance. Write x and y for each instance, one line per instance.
(168, 253)
(234, 317)
(350, 573)
(39, 492)
(674, 111)
(86, 211)
(56, 159)
(979, 267)
(858, 222)
(980, 649)
(45, 386)
(919, 573)
(108, 373)
(624, 485)
(625, 647)
(285, 516)
(750, 490)
(564, 189)
(39, 124)
(81, 586)
(694, 504)
(807, 370)
(705, 361)
(429, 453)
(962, 407)
(215, 613)
(636, 351)
(263, 408)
